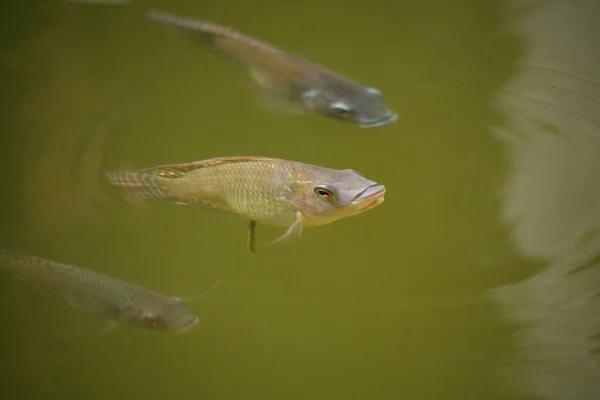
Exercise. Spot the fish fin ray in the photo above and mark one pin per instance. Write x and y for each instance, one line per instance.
(214, 37)
(266, 80)
(203, 33)
(137, 186)
(153, 184)
(179, 170)
(96, 327)
(275, 103)
(80, 304)
(272, 95)
(110, 325)
(197, 297)
(294, 231)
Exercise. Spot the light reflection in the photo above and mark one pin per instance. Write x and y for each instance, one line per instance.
(552, 199)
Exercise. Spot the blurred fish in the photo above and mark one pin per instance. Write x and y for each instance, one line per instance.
(267, 190)
(283, 76)
(119, 302)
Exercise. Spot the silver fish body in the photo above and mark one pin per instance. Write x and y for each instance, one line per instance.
(299, 81)
(267, 190)
(115, 300)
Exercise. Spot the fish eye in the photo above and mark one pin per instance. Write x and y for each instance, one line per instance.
(323, 192)
(341, 109)
(375, 92)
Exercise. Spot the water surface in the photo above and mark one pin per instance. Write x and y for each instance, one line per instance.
(476, 279)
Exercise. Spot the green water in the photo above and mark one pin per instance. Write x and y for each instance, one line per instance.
(477, 278)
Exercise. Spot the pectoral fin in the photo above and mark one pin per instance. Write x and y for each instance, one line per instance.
(79, 304)
(111, 325)
(252, 236)
(272, 95)
(95, 327)
(293, 231)
(264, 79)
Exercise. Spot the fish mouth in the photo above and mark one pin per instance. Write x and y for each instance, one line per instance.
(188, 327)
(374, 192)
(387, 119)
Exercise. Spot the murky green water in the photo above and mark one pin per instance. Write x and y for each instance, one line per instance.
(476, 279)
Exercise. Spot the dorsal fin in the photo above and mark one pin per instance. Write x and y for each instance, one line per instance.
(179, 170)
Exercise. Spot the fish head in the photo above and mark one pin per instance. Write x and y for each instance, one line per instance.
(163, 314)
(349, 102)
(324, 195)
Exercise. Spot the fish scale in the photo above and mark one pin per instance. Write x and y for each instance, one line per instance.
(286, 82)
(261, 189)
(116, 300)
(250, 188)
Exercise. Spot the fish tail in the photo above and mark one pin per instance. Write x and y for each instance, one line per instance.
(5, 258)
(21, 264)
(138, 186)
(202, 32)
(16, 264)
(10, 258)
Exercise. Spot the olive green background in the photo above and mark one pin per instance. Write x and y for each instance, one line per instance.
(390, 304)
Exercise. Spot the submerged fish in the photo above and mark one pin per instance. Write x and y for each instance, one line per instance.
(283, 76)
(119, 302)
(267, 190)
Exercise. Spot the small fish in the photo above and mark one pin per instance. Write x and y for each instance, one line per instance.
(267, 190)
(283, 76)
(119, 302)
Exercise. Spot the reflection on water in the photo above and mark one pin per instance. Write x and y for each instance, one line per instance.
(61, 157)
(390, 304)
(552, 199)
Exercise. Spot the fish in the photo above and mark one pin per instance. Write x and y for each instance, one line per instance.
(263, 190)
(118, 302)
(285, 78)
